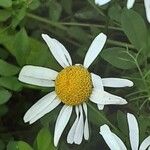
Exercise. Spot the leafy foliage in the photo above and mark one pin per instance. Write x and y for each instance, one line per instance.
(75, 24)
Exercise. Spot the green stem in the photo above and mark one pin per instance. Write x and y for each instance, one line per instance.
(140, 71)
(62, 27)
(142, 76)
(59, 24)
(134, 93)
(43, 20)
(89, 25)
(122, 44)
(133, 99)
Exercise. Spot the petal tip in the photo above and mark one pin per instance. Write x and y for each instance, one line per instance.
(130, 83)
(129, 115)
(103, 36)
(25, 120)
(43, 35)
(130, 3)
(22, 72)
(124, 102)
(103, 128)
(55, 143)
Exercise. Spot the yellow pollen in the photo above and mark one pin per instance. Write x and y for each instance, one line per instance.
(73, 85)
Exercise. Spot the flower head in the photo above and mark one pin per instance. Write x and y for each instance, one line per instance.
(74, 86)
(115, 143)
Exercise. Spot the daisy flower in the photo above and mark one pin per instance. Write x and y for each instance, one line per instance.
(130, 4)
(115, 143)
(74, 86)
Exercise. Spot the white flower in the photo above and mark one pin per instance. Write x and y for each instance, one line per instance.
(115, 143)
(74, 86)
(130, 4)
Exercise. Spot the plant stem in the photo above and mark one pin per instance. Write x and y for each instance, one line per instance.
(57, 24)
(133, 99)
(134, 93)
(122, 44)
(140, 71)
(43, 20)
(89, 25)
(62, 27)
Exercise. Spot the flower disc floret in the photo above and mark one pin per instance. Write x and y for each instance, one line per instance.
(73, 85)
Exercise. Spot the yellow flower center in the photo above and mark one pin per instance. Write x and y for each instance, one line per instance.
(73, 85)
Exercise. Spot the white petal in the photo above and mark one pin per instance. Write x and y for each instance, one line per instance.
(94, 49)
(58, 50)
(39, 106)
(86, 125)
(61, 122)
(116, 82)
(145, 144)
(120, 142)
(130, 3)
(109, 138)
(49, 108)
(147, 8)
(97, 81)
(133, 131)
(100, 107)
(79, 129)
(38, 76)
(70, 137)
(105, 98)
(101, 2)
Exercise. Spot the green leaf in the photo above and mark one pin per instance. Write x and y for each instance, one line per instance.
(23, 146)
(144, 122)
(38, 53)
(18, 16)
(114, 12)
(5, 3)
(78, 33)
(55, 10)
(118, 58)
(18, 146)
(7, 69)
(122, 122)
(12, 145)
(21, 46)
(135, 28)
(97, 117)
(5, 38)
(67, 5)
(10, 83)
(44, 140)
(4, 95)
(4, 15)
(34, 4)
